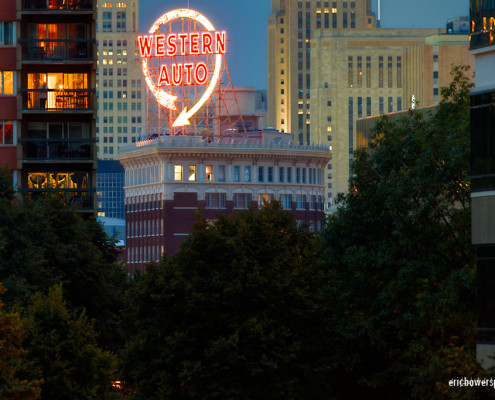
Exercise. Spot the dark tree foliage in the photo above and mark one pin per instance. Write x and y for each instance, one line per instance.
(238, 313)
(46, 242)
(402, 264)
(63, 351)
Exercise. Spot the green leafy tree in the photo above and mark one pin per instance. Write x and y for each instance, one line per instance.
(238, 313)
(63, 350)
(46, 242)
(401, 260)
(15, 382)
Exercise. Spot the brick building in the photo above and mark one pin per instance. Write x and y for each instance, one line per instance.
(168, 180)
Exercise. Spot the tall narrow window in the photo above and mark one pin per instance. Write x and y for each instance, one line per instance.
(399, 71)
(399, 103)
(390, 81)
(390, 104)
(281, 173)
(221, 173)
(360, 107)
(260, 174)
(380, 71)
(350, 72)
(368, 106)
(368, 72)
(380, 105)
(351, 125)
(236, 173)
(209, 173)
(247, 174)
(177, 172)
(359, 71)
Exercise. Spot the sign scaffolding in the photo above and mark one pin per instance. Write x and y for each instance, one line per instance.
(183, 61)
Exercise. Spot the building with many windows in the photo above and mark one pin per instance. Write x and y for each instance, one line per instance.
(120, 83)
(483, 172)
(51, 86)
(328, 65)
(169, 179)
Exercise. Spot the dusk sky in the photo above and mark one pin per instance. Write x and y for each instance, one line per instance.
(245, 22)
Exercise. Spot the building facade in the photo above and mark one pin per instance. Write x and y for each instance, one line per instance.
(9, 121)
(55, 79)
(169, 179)
(328, 65)
(483, 172)
(120, 83)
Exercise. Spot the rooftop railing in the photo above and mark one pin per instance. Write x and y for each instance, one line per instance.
(57, 5)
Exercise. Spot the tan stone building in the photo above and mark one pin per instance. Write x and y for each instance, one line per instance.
(328, 65)
(120, 83)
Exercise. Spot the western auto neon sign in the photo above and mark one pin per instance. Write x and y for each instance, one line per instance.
(189, 47)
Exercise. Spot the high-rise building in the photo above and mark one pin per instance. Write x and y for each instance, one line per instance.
(483, 172)
(55, 79)
(328, 65)
(120, 83)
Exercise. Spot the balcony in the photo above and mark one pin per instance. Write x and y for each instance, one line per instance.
(57, 5)
(57, 100)
(57, 149)
(57, 50)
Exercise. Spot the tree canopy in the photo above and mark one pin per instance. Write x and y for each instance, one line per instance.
(399, 251)
(238, 313)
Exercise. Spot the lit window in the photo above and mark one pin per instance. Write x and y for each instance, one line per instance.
(264, 198)
(7, 82)
(209, 173)
(192, 173)
(6, 132)
(247, 174)
(177, 172)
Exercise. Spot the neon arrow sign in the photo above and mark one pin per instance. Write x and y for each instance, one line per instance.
(182, 74)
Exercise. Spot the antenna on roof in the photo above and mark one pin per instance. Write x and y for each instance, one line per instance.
(378, 23)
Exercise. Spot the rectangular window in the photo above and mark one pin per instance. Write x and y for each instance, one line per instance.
(192, 173)
(286, 200)
(399, 71)
(289, 175)
(368, 106)
(209, 173)
(264, 198)
(380, 71)
(236, 173)
(351, 125)
(177, 172)
(7, 82)
(360, 107)
(7, 33)
(390, 82)
(380, 105)
(247, 174)
(390, 104)
(281, 173)
(221, 173)
(298, 175)
(242, 200)
(399, 103)
(260, 174)
(270, 174)
(6, 132)
(350, 74)
(215, 200)
(312, 202)
(301, 201)
(303, 175)
(359, 71)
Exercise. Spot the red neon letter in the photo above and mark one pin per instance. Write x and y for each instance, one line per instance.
(201, 81)
(176, 74)
(172, 51)
(188, 67)
(220, 38)
(164, 79)
(207, 41)
(194, 45)
(145, 43)
(183, 37)
(160, 46)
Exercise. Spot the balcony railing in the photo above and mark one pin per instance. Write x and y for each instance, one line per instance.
(82, 199)
(57, 5)
(51, 100)
(56, 49)
(57, 149)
